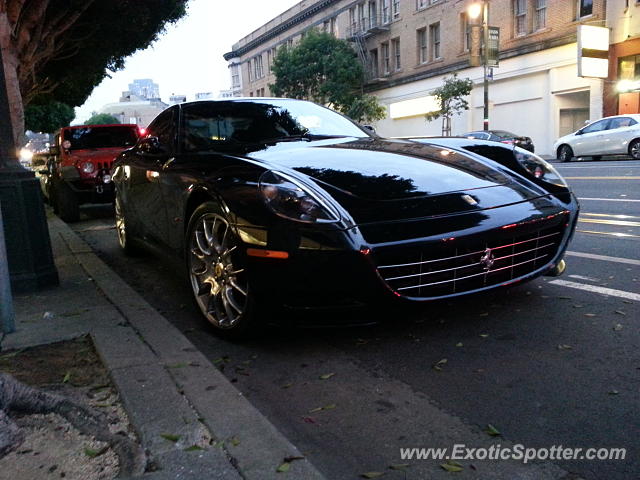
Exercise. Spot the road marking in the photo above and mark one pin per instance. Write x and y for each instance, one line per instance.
(613, 234)
(610, 199)
(582, 277)
(609, 222)
(602, 290)
(607, 215)
(602, 178)
(605, 258)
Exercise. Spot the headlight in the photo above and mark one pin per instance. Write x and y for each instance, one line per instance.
(289, 198)
(539, 168)
(87, 167)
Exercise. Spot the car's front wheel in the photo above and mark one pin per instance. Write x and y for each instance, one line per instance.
(122, 230)
(67, 205)
(634, 149)
(217, 273)
(565, 154)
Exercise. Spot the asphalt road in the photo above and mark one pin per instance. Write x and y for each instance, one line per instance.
(552, 362)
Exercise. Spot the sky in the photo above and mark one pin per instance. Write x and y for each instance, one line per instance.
(187, 59)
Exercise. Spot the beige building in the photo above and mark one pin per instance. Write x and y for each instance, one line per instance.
(409, 46)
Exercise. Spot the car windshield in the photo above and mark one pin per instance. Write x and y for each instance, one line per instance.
(210, 125)
(507, 135)
(101, 137)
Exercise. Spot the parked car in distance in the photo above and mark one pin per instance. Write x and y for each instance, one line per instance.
(502, 136)
(287, 201)
(79, 166)
(616, 135)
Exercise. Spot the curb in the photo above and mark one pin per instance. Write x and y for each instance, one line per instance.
(168, 387)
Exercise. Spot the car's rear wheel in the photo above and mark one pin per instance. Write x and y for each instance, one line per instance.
(217, 273)
(634, 149)
(124, 235)
(565, 154)
(66, 203)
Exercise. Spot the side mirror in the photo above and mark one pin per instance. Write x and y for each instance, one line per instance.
(369, 128)
(150, 146)
(54, 150)
(579, 132)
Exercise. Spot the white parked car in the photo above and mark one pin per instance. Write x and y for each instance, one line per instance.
(617, 135)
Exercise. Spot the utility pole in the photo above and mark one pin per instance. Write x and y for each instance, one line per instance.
(29, 256)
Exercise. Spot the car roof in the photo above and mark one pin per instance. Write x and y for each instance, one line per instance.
(101, 125)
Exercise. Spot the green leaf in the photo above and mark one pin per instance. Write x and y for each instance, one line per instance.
(327, 376)
(170, 437)
(493, 431)
(67, 377)
(283, 468)
(438, 365)
(372, 474)
(399, 466)
(91, 453)
(234, 441)
(287, 385)
(451, 468)
(193, 448)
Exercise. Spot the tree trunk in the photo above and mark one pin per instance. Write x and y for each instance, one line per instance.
(11, 63)
(18, 397)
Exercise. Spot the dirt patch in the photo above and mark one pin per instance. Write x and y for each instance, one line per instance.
(52, 447)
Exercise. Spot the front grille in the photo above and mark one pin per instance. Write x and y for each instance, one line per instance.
(447, 270)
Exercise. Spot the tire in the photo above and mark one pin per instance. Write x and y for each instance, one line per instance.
(216, 269)
(565, 154)
(634, 149)
(66, 203)
(596, 158)
(125, 239)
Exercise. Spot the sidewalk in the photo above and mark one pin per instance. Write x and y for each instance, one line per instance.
(165, 383)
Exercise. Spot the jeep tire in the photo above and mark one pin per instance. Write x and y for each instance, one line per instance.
(66, 202)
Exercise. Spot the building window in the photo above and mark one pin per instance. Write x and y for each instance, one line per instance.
(386, 14)
(396, 8)
(258, 69)
(396, 53)
(334, 29)
(373, 14)
(434, 34)
(352, 21)
(520, 17)
(465, 32)
(585, 8)
(373, 63)
(249, 70)
(235, 76)
(421, 4)
(541, 14)
(362, 18)
(386, 60)
(421, 41)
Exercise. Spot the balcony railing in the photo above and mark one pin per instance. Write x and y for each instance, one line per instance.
(369, 26)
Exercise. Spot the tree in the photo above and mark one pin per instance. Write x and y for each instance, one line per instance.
(326, 70)
(49, 117)
(451, 99)
(102, 119)
(59, 50)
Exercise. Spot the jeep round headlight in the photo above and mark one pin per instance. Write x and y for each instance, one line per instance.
(539, 168)
(87, 167)
(289, 198)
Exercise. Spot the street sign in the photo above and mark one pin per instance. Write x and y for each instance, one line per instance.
(493, 50)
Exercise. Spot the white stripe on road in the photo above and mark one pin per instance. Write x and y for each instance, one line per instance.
(582, 277)
(602, 290)
(605, 258)
(610, 199)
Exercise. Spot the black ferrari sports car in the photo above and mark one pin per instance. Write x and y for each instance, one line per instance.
(286, 201)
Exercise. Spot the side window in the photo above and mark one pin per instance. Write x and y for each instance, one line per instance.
(163, 127)
(203, 128)
(596, 127)
(621, 122)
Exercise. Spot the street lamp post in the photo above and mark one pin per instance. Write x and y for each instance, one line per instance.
(474, 11)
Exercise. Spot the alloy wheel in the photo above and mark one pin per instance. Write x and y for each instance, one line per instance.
(219, 285)
(121, 227)
(634, 150)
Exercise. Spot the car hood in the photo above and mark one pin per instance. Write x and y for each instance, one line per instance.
(376, 169)
(96, 154)
(382, 180)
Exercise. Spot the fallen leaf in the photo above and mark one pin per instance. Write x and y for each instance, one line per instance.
(287, 385)
(484, 335)
(327, 376)
(234, 441)
(614, 392)
(618, 327)
(372, 474)
(450, 468)
(493, 431)
(170, 437)
(620, 312)
(577, 306)
(459, 344)
(589, 314)
(67, 377)
(283, 468)
(484, 314)
(193, 448)
(399, 466)
(326, 407)
(314, 410)
(438, 365)
(565, 347)
(308, 420)
(89, 452)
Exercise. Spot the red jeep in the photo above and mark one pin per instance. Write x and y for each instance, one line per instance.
(79, 169)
